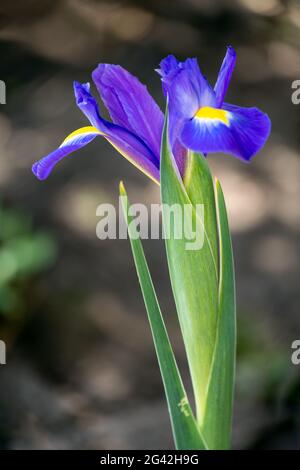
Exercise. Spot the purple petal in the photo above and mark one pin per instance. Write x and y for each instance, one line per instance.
(187, 90)
(186, 87)
(243, 135)
(127, 143)
(224, 76)
(88, 105)
(73, 142)
(129, 103)
(135, 153)
(169, 67)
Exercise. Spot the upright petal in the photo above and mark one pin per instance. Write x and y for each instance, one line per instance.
(74, 141)
(186, 87)
(129, 104)
(169, 67)
(126, 142)
(224, 76)
(88, 105)
(234, 130)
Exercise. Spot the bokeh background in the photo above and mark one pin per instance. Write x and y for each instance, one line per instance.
(81, 370)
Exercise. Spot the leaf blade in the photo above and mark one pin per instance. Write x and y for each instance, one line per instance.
(199, 186)
(185, 429)
(217, 421)
(194, 281)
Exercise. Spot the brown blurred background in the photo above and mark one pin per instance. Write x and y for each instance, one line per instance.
(81, 370)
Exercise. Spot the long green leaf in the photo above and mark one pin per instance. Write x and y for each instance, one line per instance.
(218, 412)
(216, 426)
(212, 362)
(198, 182)
(185, 429)
(194, 276)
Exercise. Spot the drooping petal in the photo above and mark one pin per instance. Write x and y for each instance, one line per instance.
(186, 87)
(135, 152)
(234, 130)
(129, 104)
(128, 144)
(224, 76)
(74, 141)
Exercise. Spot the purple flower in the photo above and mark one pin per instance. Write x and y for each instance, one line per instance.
(136, 128)
(199, 118)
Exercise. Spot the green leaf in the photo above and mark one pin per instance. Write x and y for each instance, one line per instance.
(185, 429)
(204, 291)
(193, 273)
(199, 186)
(218, 413)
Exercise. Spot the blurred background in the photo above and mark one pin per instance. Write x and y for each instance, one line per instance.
(81, 370)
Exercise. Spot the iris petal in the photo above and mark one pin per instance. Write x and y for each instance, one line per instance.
(186, 87)
(74, 141)
(129, 104)
(132, 154)
(187, 90)
(243, 135)
(224, 76)
(127, 143)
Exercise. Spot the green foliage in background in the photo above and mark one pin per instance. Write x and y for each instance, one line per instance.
(23, 254)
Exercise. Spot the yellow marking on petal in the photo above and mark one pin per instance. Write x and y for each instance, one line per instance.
(92, 129)
(82, 131)
(213, 113)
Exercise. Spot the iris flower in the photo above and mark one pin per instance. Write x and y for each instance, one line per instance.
(200, 120)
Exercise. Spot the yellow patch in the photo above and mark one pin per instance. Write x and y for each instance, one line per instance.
(212, 113)
(81, 131)
(94, 130)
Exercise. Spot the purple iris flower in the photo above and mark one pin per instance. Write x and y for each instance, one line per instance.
(135, 130)
(199, 118)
